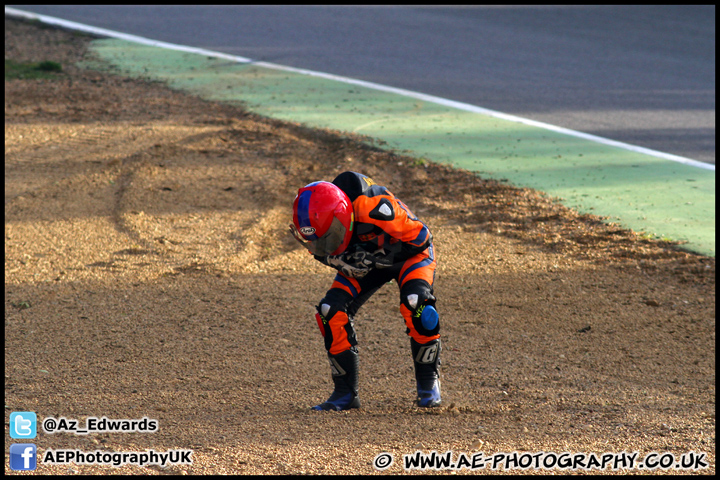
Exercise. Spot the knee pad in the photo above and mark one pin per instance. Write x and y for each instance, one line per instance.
(325, 312)
(424, 316)
(344, 333)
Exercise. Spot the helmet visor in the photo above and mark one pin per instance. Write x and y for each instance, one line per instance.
(326, 244)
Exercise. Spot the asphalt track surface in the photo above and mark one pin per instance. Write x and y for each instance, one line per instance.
(665, 198)
(643, 75)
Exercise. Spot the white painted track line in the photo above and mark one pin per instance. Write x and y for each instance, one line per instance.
(102, 32)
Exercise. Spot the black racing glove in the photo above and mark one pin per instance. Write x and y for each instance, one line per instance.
(343, 264)
(361, 257)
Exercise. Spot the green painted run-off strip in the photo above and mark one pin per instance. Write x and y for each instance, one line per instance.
(639, 191)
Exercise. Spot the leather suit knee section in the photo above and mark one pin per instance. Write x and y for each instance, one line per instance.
(419, 304)
(335, 326)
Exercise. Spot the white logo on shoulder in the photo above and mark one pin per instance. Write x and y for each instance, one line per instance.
(385, 210)
(307, 230)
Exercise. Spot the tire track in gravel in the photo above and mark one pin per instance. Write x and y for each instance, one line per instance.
(132, 167)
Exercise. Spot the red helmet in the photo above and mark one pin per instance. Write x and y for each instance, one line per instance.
(323, 218)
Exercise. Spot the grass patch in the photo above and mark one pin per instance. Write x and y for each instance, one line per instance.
(31, 70)
(419, 162)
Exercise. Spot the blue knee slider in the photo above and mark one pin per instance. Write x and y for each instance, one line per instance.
(429, 317)
(424, 315)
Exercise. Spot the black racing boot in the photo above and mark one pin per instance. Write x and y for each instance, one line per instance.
(344, 368)
(427, 372)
